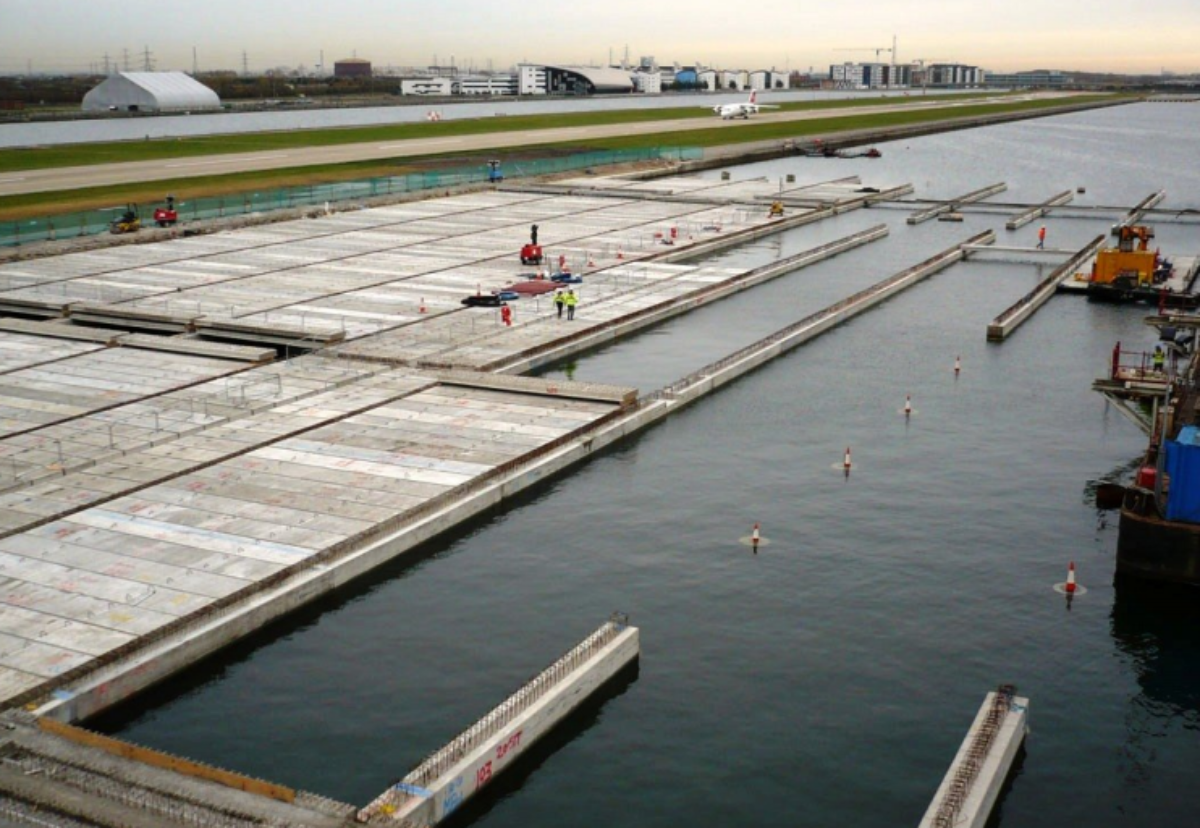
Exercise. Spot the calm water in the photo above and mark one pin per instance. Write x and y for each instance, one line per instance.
(171, 126)
(829, 679)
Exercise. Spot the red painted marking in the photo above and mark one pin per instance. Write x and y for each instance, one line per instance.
(512, 744)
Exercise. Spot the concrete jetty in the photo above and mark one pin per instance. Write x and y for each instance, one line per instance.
(952, 205)
(453, 774)
(970, 788)
(1023, 218)
(1015, 314)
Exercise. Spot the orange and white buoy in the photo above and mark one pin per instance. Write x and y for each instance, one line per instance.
(957, 365)
(754, 539)
(1069, 587)
(908, 405)
(846, 464)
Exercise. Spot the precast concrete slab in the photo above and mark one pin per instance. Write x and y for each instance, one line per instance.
(209, 515)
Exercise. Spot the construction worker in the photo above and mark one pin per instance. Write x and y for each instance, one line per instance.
(570, 300)
(1160, 358)
(1042, 237)
(560, 301)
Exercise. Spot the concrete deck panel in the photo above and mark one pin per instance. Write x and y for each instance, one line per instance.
(96, 567)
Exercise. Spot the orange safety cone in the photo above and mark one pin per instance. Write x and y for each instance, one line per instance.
(620, 255)
(1070, 586)
(422, 307)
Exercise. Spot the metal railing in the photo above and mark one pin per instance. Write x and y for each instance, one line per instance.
(968, 770)
(438, 763)
(442, 760)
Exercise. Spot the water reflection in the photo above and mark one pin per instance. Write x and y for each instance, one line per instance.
(1158, 628)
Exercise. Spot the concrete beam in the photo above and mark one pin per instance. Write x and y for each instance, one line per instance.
(453, 774)
(952, 204)
(1012, 317)
(970, 788)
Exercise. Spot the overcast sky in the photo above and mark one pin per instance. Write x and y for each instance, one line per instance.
(1100, 35)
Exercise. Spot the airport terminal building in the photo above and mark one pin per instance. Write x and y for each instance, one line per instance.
(541, 79)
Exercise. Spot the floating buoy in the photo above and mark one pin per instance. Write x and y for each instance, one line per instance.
(957, 365)
(1069, 587)
(908, 405)
(846, 464)
(754, 539)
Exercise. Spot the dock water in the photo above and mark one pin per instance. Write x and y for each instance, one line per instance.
(325, 393)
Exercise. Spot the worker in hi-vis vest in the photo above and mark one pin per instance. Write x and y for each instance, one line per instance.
(1160, 358)
(570, 300)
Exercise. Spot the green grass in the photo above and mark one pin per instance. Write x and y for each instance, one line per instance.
(76, 155)
(55, 203)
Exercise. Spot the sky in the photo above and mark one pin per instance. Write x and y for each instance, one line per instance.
(1101, 35)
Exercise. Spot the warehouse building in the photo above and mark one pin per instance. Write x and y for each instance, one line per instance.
(150, 92)
(352, 68)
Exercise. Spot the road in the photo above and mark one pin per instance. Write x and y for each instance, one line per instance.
(103, 175)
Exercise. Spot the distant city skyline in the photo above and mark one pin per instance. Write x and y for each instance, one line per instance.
(51, 36)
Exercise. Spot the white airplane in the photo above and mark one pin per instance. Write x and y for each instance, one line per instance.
(741, 110)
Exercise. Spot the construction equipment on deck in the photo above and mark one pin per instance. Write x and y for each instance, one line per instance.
(168, 215)
(1130, 266)
(129, 222)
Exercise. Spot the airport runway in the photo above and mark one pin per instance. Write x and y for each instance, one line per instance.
(103, 175)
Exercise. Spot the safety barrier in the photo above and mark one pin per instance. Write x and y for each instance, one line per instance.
(93, 222)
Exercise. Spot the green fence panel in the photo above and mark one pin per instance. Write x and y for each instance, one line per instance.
(93, 222)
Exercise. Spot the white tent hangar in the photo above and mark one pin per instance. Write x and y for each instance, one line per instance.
(150, 92)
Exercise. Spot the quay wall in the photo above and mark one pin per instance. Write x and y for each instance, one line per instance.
(1155, 549)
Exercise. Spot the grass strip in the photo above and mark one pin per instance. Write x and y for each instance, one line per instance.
(114, 152)
(67, 201)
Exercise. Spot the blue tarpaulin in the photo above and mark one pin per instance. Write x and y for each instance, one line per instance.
(1183, 466)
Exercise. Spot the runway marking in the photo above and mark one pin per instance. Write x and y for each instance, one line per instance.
(10, 180)
(224, 160)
